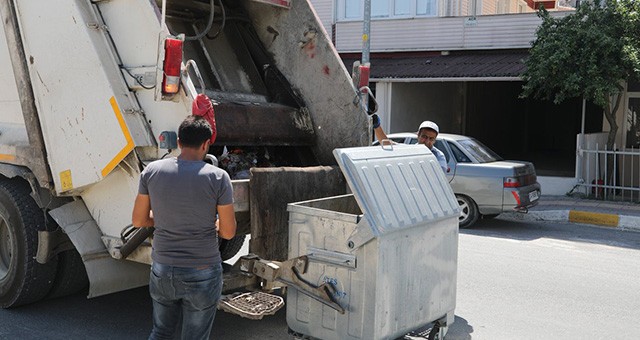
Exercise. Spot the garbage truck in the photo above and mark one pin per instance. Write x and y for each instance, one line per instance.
(93, 90)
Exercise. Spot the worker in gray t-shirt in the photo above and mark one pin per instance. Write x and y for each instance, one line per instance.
(184, 194)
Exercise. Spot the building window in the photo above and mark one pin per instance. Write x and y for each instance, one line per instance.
(402, 7)
(425, 7)
(353, 9)
(379, 8)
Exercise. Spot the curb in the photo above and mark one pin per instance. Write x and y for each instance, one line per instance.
(617, 221)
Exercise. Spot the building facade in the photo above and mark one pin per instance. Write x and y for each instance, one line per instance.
(459, 63)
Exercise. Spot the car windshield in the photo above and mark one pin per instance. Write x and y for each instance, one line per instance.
(479, 151)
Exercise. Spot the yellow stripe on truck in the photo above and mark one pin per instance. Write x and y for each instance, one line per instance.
(609, 220)
(125, 131)
(7, 157)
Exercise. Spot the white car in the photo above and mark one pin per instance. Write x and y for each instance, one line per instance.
(484, 184)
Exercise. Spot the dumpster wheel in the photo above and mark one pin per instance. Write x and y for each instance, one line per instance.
(435, 331)
(432, 333)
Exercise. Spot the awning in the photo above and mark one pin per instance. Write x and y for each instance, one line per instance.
(465, 65)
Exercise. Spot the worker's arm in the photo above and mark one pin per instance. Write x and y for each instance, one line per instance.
(377, 129)
(226, 221)
(142, 216)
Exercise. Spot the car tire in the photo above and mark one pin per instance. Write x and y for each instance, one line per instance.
(22, 279)
(468, 211)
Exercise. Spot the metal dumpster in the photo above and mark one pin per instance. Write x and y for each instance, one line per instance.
(389, 249)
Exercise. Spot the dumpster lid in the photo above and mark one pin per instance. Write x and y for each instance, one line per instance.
(397, 186)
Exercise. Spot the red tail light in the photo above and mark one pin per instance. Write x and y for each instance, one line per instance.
(171, 66)
(519, 181)
(511, 182)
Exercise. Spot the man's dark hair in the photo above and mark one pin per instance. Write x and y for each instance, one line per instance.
(194, 131)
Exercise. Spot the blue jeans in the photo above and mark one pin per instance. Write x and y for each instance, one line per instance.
(183, 294)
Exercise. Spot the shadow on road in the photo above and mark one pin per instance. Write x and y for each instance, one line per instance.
(505, 227)
(460, 330)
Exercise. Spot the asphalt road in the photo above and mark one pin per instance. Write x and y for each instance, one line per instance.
(515, 281)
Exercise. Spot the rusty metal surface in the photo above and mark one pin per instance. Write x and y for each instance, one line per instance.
(262, 124)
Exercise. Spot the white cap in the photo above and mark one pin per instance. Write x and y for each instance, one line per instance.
(427, 124)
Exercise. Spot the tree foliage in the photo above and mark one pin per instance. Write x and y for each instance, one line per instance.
(588, 54)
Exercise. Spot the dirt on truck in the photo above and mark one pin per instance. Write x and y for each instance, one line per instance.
(95, 90)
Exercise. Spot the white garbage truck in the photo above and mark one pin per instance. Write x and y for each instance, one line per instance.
(93, 90)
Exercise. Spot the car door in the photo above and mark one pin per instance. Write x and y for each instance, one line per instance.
(442, 145)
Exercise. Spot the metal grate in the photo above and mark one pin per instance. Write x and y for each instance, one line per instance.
(252, 305)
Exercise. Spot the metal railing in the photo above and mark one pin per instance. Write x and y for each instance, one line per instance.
(612, 175)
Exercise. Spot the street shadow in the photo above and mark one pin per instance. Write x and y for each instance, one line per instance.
(122, 315)
(507, 227)
(460, 330)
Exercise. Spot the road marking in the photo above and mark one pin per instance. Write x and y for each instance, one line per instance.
(609, 220)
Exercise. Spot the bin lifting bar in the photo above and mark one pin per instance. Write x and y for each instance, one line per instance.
(290, 273)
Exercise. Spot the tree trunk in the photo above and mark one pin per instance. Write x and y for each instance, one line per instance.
(610, 114)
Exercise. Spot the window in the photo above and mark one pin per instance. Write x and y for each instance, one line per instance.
(353, 9)
(425, 7)
(439, 144)
(402, 7)
(379, 8)
(479, 151)
(458, 154)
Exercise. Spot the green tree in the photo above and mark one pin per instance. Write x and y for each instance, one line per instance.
(589, 53)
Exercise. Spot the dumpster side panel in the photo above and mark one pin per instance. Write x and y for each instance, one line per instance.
(307, 316)
(422, 264)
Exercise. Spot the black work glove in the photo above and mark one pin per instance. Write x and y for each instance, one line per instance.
(376, 121)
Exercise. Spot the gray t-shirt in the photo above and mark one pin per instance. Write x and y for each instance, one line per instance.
(184, 196)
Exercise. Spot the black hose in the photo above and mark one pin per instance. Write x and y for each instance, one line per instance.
(224, 21)
(139, 236)
(207, 29)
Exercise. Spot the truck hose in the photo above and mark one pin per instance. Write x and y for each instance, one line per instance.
(139, 236)
(207, 29)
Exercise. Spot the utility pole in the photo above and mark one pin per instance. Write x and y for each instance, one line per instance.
(361, 69)
(366, 30)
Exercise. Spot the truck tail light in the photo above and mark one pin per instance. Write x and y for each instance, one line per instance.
(171, 66)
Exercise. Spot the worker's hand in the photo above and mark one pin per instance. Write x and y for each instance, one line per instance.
(376, 121)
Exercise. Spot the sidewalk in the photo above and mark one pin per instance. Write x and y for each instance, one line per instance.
(621, 215)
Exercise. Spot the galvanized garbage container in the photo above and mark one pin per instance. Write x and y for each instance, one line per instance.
(390, 248)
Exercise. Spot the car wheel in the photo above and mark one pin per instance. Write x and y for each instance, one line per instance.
(468, 211)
